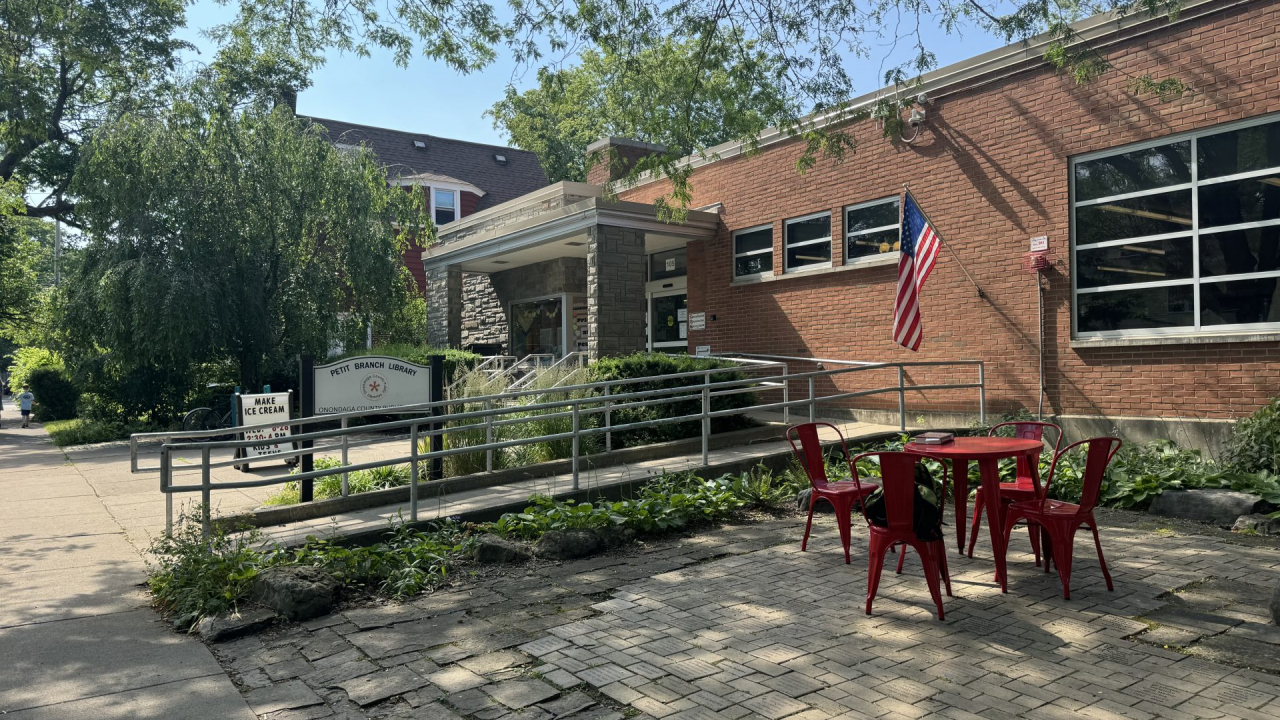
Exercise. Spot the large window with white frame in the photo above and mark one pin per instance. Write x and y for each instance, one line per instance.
(1179, 235)
(807, 242)
(753, 251)
(444, 206)
(871, 229)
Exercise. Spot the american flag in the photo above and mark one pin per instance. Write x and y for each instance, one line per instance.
(920, 245)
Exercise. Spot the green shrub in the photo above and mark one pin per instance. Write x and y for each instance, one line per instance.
(193, 576)
(1254, 445)
(406, 563)
(85, 431)
(641, 365)
(762, 487)
(56, 397)
(330, 486)
(477, 384)
(669, 502)
(27, 360)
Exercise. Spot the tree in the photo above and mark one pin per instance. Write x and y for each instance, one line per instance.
(227, 238)
(678, 94)
(26, 265)
(808, 43)
(65, 65)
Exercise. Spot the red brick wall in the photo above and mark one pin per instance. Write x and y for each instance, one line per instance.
(991, 170)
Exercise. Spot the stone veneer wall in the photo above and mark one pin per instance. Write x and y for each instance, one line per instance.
(485, 298)
(484, 319)
(615, 291)
(444, 307)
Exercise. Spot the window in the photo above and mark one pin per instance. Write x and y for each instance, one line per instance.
(871, 228)
(753, 251)
(807, 243)
(1180, 235)
(668, 264)
(445, 206)
(537, 327)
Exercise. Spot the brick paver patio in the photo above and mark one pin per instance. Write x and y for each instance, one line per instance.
(738, 624)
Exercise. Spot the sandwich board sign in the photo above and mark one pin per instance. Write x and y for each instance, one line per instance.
(370, 382)
(265, 419)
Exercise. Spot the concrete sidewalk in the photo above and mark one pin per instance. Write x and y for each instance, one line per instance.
(77, 637)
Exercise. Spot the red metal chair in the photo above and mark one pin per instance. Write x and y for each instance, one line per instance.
(1025, 487)
(1060, 520)
(898, 477)
(841, 495)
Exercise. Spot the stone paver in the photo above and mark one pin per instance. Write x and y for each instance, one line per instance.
(738, 624)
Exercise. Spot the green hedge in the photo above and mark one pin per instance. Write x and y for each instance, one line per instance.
(641, 365)
(417, 354)
(56, 397)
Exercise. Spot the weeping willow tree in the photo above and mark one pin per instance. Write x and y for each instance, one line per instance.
(231, 238)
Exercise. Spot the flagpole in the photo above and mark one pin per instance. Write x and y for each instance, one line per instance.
(942, 240)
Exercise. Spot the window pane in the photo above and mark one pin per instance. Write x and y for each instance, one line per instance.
(872, 244)
(1239, 302)
(1160, 307)
(815, 254)
(761, 239)
(811, 229)
(1241, 251)
(1240, 201)
(1134, 171)
(665, 312)
(1135, 217)
(1228, 153)
(444, 215)
(753, 264)
(1140, 262)
(871, 216)
(445, 199)
(669, 264)
(537, 327)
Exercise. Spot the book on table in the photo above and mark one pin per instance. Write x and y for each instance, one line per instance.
(934, 438)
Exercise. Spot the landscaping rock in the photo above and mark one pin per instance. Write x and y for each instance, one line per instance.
(1216, 507)
(567, 544)
(298, 593)
(615, 536)
(227, 627)
(1257, 523)
(491, 549)
(802, 503)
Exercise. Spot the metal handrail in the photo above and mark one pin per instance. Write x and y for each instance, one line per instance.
(484, 366)
(597, 399)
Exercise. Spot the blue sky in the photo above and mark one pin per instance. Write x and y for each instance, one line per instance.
(430, 97)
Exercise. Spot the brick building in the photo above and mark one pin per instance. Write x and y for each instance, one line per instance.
(1160, 308)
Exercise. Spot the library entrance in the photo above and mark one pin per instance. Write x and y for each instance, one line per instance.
(667, 297)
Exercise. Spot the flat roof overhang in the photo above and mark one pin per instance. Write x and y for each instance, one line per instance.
(561, 232)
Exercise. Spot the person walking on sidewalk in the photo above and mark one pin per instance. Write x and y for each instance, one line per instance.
(25, 400)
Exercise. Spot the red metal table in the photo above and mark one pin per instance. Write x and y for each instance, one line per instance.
(987, 451)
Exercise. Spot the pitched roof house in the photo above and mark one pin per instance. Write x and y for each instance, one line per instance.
(459, 177)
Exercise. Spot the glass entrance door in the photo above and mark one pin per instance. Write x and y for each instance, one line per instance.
(668, 321)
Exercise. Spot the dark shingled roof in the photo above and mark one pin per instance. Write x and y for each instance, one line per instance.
(467, 161)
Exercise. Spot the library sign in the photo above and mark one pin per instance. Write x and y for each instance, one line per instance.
(371, 382)
(265, 420)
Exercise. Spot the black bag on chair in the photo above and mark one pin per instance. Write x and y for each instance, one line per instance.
(927, 511)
